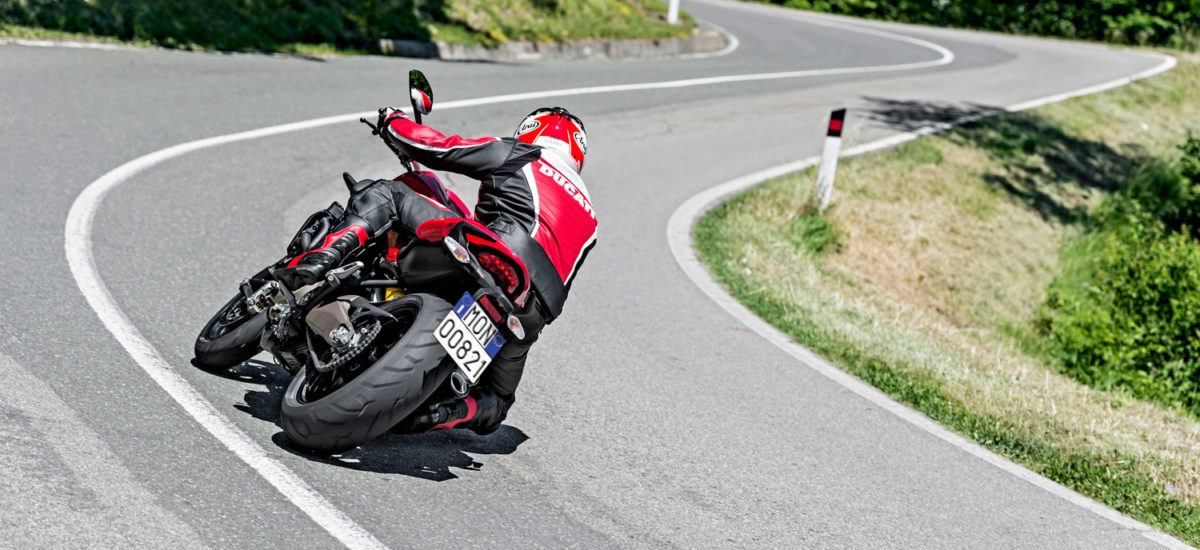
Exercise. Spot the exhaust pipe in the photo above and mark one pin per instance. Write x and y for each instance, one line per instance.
(459, 384)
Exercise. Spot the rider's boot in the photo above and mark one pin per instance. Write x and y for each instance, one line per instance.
(311, 266)
(481, 412)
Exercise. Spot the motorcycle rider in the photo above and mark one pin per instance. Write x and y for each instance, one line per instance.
(531, 195)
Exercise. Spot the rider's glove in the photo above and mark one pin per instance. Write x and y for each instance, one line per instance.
(386, 116)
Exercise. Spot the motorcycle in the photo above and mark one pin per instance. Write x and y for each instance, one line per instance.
(400, 325)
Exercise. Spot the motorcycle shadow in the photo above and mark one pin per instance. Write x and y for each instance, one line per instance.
(263, 405)
(427, 456)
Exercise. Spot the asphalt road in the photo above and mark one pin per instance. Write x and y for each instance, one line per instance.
(648, 416)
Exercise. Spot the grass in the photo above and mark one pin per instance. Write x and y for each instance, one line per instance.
(37, 33)
(927, 275)
(491, 22)
(335, 27)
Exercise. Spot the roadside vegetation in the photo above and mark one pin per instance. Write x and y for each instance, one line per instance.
(1125, 309)
(1172, 23)
(327, 26)
(1030, 280)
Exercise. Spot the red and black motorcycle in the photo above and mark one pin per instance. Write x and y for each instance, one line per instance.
(399, 325)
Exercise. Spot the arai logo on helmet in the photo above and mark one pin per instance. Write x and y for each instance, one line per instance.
(528, 126)
(581, 141)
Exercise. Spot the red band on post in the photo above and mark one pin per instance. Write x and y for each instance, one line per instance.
(835, 123)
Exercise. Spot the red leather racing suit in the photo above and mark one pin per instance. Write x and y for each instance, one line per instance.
(531, 197)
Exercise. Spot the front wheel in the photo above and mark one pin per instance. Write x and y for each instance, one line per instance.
(231, 337)
(353, 404)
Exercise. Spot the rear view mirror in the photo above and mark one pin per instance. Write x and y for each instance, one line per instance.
(420, 92)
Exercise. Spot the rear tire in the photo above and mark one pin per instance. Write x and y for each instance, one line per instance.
(230, 337)
(380, 396)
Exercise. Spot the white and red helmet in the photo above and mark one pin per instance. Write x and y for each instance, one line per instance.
(556, 129)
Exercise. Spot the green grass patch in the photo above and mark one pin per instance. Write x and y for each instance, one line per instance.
(933, 274)
(323, 27)
(1111, 477)
(497, 21)
(814, 234)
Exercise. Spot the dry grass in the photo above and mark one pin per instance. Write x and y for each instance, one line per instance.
(948, 245)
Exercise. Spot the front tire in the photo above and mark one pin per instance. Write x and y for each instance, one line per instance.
(324, 413)
(231, 337)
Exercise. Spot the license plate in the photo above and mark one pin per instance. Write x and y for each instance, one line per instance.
(470, 337)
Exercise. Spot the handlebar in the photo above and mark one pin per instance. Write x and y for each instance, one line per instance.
(377, 130)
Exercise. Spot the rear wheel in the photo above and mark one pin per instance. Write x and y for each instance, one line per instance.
(355, 403)
(230, 337)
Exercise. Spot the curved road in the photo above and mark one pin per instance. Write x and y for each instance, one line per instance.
(648, 416)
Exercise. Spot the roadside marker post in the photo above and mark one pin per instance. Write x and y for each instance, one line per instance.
(673, 12)
(829, 158)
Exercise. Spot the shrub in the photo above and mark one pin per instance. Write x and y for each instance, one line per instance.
(1136, 322)
(1126, 310)
(1166, 192)
(1164, 22)
(230, 24)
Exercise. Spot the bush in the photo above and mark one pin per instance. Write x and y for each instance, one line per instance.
(1136, 322)
(1166, 192)
(1126, 311)
(1163, 22)
(230, 24)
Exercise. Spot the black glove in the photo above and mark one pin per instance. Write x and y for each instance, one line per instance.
(386, 116)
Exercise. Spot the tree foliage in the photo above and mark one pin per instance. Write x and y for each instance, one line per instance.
(1159, 22)
(269, 24)
(230, 24)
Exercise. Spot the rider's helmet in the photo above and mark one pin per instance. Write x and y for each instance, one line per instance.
(556, 129)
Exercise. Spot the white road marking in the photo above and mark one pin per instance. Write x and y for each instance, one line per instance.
(679, 237)
(90, 494)
(87, 277)
(731, 44)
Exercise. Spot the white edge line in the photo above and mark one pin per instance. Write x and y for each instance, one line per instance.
(78, 248)
(731, 43)
(680, 240)
(83, 268)
(731, 40)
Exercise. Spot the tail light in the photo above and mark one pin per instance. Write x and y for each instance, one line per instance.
(505, 274)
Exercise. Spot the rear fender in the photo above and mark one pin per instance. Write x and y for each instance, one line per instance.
(479, 239)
